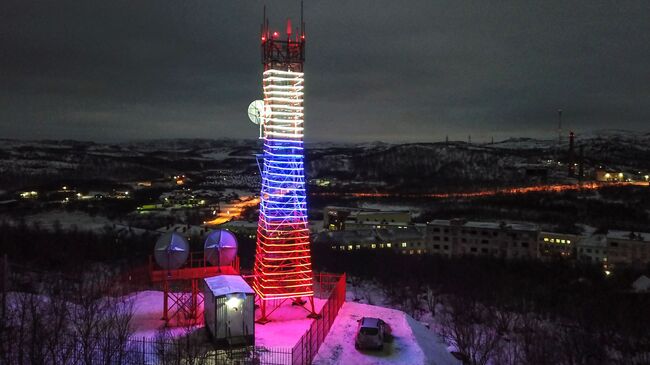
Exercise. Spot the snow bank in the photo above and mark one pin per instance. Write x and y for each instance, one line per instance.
(412, 342)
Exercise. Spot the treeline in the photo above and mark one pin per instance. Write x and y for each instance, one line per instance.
(69, 250)
(65, 320)
(512, 312)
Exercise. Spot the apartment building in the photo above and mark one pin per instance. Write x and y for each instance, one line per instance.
(462, 237)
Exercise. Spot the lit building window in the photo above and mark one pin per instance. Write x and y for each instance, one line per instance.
(358, 247)
(349, 247)
(403, 244)
(381, 245)
(373, 245)
(568, 241)
(545, 239)
(388, 245)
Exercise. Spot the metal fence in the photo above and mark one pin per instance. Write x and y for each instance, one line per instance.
(307, 347)
(146, 351)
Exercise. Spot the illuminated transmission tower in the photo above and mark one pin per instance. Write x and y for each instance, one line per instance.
(283, 257)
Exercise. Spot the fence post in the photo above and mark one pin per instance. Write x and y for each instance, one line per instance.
(143, 352)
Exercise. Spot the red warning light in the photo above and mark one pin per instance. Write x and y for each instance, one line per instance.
(275, 34)
(263, 38)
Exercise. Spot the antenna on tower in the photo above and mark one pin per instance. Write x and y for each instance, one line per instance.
(302, 22)
(264, 20)
(559, 125)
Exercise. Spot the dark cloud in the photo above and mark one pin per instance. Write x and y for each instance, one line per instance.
(376, 69)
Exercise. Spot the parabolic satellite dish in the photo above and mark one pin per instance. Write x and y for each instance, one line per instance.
(220, 247)
(255, 111)
(171, 251)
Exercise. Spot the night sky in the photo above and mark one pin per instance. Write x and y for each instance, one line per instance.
(376, 70)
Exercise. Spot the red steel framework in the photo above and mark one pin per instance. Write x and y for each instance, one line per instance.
(282, 268)
(181, 287)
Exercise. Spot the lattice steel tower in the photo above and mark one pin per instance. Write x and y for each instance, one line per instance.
(282, 268)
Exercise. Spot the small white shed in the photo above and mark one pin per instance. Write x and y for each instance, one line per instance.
(229, 309)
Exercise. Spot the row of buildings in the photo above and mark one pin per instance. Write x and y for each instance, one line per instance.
(349, 229)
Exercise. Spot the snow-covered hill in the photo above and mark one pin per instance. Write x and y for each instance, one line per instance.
(393, 165)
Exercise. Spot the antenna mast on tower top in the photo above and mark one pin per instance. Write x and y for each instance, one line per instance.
(559, 126)
(279, 52)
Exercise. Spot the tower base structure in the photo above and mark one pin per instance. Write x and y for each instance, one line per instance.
(268, 307)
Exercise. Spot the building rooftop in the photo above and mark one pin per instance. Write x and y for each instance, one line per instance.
(399, 234)
(356, 236)
(596, 240)
(227, 284)
(368, 235)
(630, 236)
(488, 225)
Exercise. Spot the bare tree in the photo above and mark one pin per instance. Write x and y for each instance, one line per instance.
(356, 282)
(468, 326)
(535, 343)
(432, 299)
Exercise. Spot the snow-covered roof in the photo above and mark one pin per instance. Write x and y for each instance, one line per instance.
(627, 235)
(641, 284)
(400, 234)
(489, 225)
(596, 240)
(227, 284)
(357, 236)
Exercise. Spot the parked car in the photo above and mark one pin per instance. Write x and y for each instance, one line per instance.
(371, 333)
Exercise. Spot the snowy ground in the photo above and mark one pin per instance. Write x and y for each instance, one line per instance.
(412, 343)
(288, 324)
(147, 315)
